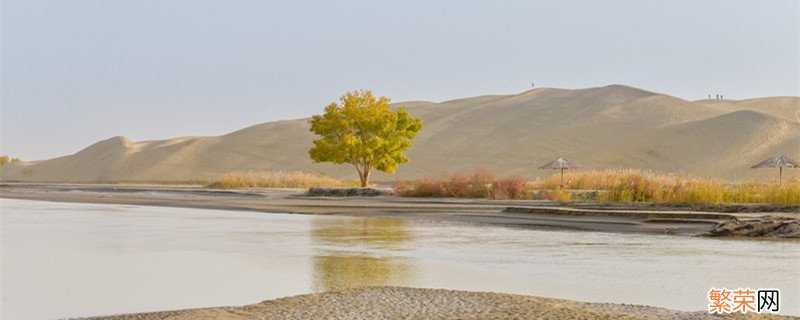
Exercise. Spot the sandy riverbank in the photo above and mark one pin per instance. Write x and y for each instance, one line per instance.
(511, 213)
(413, 303)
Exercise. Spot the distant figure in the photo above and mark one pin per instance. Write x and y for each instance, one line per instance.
(532, 85)
(709, 96)
(721, 97)
(717, 97)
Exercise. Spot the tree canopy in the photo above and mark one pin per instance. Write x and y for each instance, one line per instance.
(363, 131)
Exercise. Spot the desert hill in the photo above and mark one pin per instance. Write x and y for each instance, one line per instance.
(607, 127)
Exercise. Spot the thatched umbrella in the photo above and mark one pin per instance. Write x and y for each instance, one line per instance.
(779, 162)
(560, 164)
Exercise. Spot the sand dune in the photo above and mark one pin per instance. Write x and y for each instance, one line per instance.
(608, 127)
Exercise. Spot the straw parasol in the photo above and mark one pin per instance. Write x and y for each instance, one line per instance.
(560, 164)
(779, 162)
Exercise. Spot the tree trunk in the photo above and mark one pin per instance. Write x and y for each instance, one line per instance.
(364, 176)
(363, 173)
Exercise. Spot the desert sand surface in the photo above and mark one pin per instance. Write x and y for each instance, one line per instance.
(625, 218)
(413, 303)
(613, 127)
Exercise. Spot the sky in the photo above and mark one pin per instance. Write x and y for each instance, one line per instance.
(76, 72)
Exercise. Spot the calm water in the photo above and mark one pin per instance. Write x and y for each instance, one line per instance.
(66, 260)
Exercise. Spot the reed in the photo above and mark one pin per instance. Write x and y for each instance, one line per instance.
(481, 184)
(276, 179)
(643, 186)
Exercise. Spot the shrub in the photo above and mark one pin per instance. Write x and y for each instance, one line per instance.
(513, 187)
(427, 187)
(481, 184)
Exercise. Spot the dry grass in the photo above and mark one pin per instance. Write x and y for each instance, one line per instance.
(276, 179)
(642, 186)
(481, 184)
(555, 195)
(601, 180)
(615, 186)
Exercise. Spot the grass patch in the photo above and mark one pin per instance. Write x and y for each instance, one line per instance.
(276, 179)
(613, 186)
(481, 184)
(642, 186)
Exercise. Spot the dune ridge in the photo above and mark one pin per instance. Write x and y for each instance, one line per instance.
(615, 126)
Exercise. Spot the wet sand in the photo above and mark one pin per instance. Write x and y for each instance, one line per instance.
(511, 213)
(413, 303)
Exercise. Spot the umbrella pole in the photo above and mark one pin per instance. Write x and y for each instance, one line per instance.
(780, 176)
(562, 178)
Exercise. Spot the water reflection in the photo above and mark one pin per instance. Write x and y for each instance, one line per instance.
(346, 271)
(376, 233)
(347, 255)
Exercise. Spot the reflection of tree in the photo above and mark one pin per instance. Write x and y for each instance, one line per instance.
(373, 232)
(346, 267)
(342, 272)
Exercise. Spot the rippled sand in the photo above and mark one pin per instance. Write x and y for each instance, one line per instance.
(413, 303)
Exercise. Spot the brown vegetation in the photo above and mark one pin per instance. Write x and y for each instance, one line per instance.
(642, 186)
(608, 186)
(481, 184)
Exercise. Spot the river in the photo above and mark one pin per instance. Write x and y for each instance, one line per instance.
(67, 260)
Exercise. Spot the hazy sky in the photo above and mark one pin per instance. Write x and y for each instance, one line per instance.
(75, 72)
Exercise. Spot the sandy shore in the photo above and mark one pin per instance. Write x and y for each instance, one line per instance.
(413, 303)
(511, 213)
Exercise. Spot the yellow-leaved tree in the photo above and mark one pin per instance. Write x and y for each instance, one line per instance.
(364, 132)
